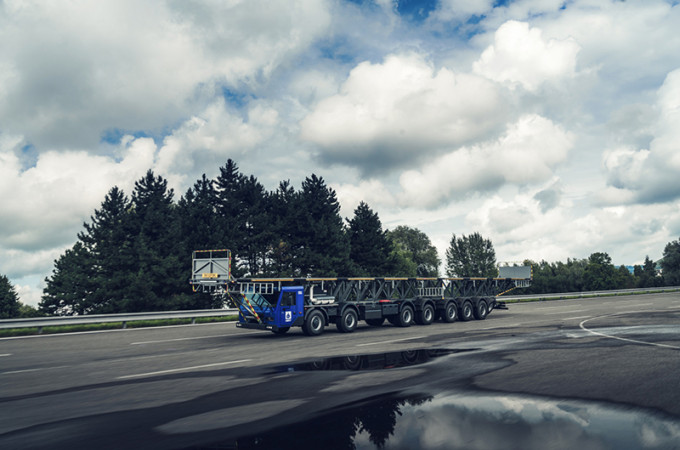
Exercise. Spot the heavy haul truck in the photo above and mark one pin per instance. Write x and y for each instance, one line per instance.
(278, 304)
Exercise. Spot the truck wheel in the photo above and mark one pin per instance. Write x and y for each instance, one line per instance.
(375, 322)
(314, 324)
(466, 311)
(347, 322)
(281, 330)
(425, 316)
(405, 317)
(481, 310)
(450, 313)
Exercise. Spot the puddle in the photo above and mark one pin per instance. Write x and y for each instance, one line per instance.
(380, 361)
(475, 421)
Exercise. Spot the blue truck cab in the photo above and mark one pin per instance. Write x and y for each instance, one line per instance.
(276, 311)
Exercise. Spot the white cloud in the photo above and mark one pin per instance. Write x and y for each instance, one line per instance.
(650, 175)
(212, 137)
(373, 192)
(520, 229)
(520, 56)
(402, 110)
(84, 68)
(527, 152)
(44, 206)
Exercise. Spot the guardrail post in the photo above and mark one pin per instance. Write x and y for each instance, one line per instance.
(40, 330)
(124, 324)
(193, 321)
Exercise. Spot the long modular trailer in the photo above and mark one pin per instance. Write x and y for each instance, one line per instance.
(278, 304)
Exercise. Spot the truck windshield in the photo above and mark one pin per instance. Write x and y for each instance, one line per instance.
(261, 300)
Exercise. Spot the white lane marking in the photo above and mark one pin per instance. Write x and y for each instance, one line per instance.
(562, 312)
(6, 354)
(113, 330)
(32, 370)
(574, 318)
(500, 325)
(189, 338)
(389, 342)
(635, 341)
(645, 304)
(181, 369)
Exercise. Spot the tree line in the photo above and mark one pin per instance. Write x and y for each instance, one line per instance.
(134, 253)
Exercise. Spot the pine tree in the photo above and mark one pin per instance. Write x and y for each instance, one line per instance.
(369, 247)
(285, 245)
(231, 218)
(9, 299)
(471, 256)
(257, 227)
(159, 273)
(109, 241)
(197, 213)
(324, 244)
(69, 289)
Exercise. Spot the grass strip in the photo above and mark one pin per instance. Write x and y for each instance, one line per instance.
(56, 329)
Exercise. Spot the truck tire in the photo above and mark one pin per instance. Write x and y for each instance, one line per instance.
(314, 324)
(405, 316)
(450, 313)
(347, 322)
(425, 316)
(375, 322)
(481, 310)
(466, 311)
(281, 330)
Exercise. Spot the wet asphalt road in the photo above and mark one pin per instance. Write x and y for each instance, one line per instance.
(219, 387)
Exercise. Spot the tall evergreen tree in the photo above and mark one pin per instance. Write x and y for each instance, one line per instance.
(471, 256)
(285, 216)
(69, 289)
(199, 230)
(369, 246)
(109, 241)
(418, 248)
(9, 299)
(231, 216)
(197, 213)
(160, 274)
(325, 246)
(257, 227)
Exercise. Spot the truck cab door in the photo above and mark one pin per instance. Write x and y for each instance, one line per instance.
(290, 307)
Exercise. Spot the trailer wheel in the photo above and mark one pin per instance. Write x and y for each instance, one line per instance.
(425, 316)
(347, 322)
(281, 330)
(375, 322)
(314, 324)
(405, 316)
(481, 310)
(466, 311)
(450, 313)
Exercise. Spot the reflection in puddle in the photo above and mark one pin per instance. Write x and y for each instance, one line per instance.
(371, 362)
(476, 421)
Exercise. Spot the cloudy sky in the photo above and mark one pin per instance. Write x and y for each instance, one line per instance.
(552, 127)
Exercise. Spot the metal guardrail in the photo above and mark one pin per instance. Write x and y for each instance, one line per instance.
(589, 293)
(40, 322)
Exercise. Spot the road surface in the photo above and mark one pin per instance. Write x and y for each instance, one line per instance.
(596, 373)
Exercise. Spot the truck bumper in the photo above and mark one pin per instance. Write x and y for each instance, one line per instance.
(254, 326)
